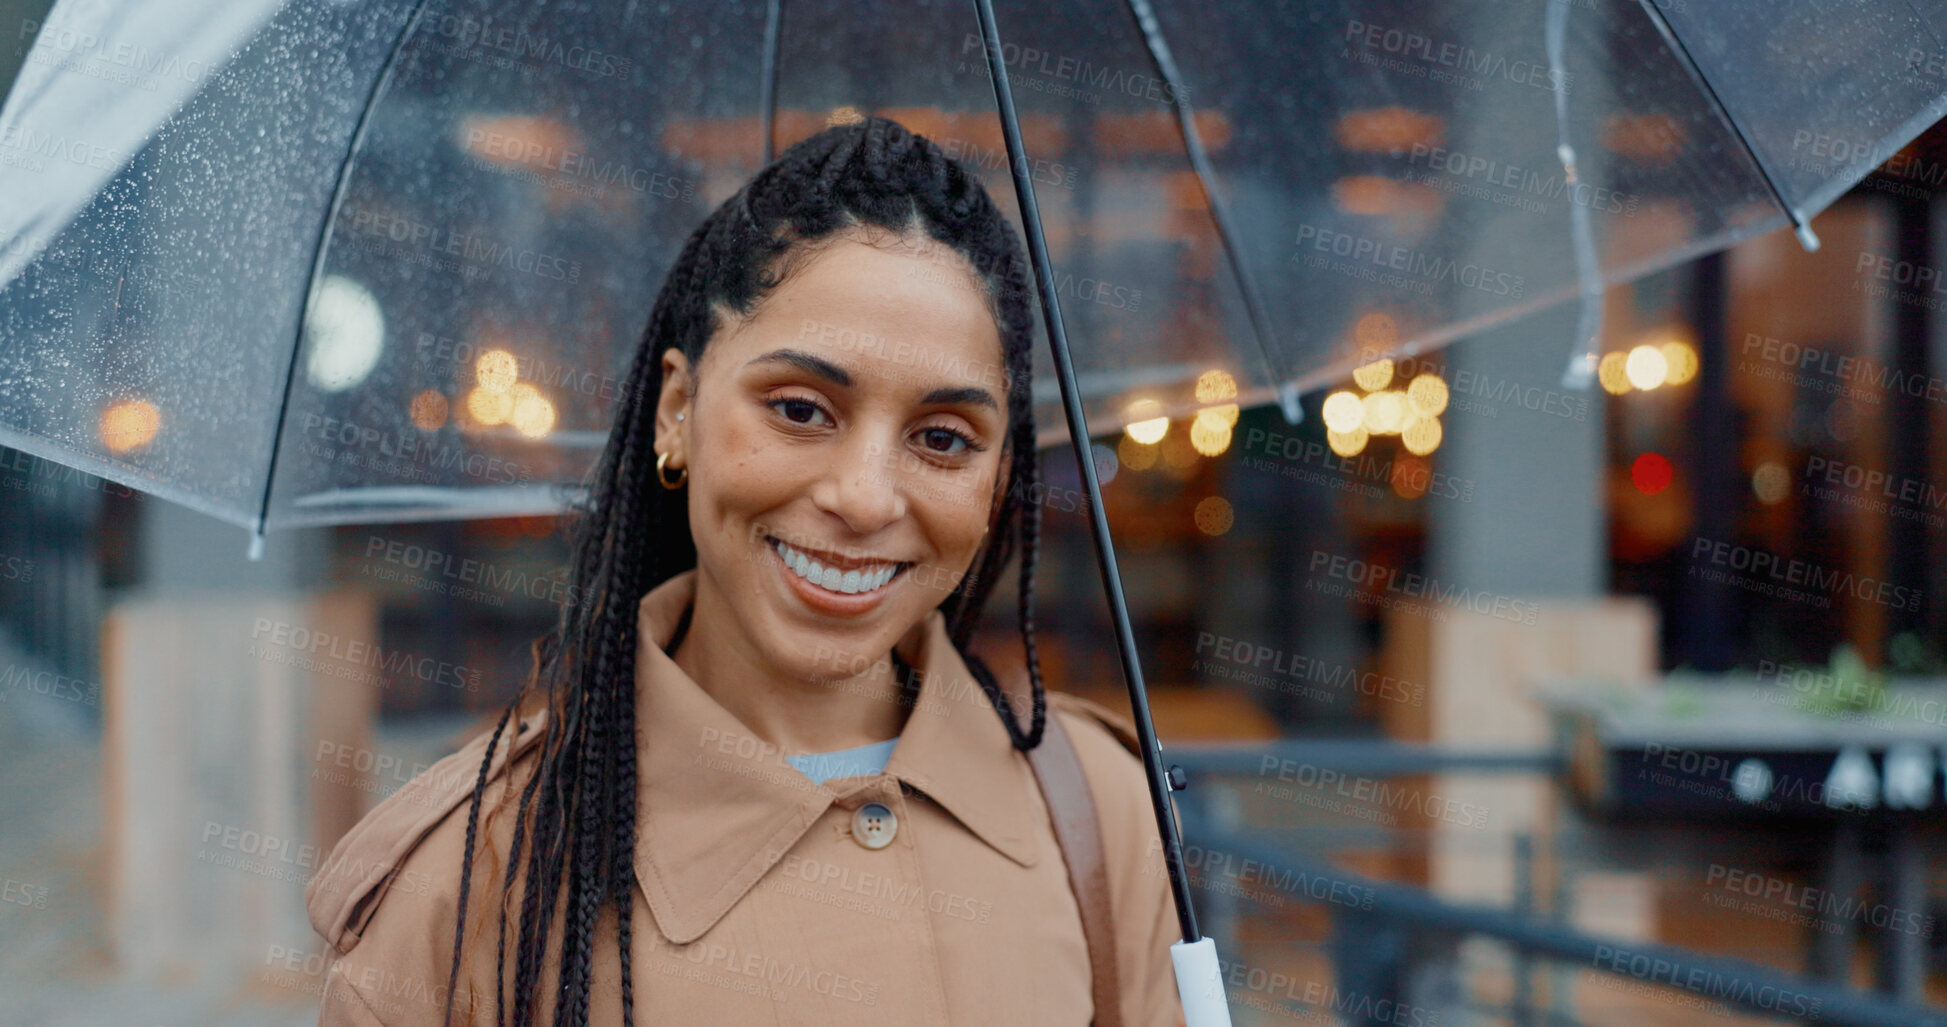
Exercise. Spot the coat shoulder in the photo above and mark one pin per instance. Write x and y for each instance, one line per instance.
(1111, 756)
(1145, 911)
(371, 859)
(1097, 719)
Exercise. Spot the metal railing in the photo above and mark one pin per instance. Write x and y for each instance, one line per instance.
(1365, 930)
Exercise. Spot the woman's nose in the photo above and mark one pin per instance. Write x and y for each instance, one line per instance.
(863, 484)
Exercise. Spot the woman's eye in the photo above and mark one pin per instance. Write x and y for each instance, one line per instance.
(795, 406)
(947, 436)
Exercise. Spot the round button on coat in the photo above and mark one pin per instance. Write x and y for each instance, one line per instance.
(874, 824)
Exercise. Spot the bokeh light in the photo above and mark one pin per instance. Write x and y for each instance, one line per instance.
(1208, 438)
(1843, 420)
(346, 334)
(1652, 138)
(429, 410)
(496, 370)
(1384, 413)
(1652, 473)
(129, 424)
(1218, 418)
(1343, 412)
(1681, 359)
(489, 407)
(1146, 425)
(1214, 515)
(1375, 331)
(1135, 455)
(1107, 463)
(1421, 435)
(1611, 373)
(1771, 483)
(1216, 386)
(1374, 376)
(1646, 367)
(1369, 195)
(532, 414)
(1427, 394)
(1347, 443)
(1389, 130)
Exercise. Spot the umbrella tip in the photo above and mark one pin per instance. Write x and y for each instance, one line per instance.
(256, 550)
(1580, 373)
(1807, 238)
(1294, 414)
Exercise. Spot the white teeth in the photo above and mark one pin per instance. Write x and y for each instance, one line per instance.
(831, 578)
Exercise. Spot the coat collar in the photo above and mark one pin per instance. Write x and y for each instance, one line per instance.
(716, 807)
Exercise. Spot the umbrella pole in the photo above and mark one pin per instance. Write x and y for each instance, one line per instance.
(1198, 979)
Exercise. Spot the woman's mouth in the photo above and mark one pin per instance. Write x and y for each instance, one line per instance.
(831, 589)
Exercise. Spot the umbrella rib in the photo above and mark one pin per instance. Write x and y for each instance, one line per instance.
(1165, 60)
(1922, 20)
(1152, 753)
(379, 82)
(1803, 226)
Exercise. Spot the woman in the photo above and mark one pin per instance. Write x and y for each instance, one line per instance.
(802, 801)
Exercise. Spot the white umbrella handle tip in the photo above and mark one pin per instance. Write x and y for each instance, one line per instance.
(1200, 984)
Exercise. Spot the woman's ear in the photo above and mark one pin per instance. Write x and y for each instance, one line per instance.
(673, 406)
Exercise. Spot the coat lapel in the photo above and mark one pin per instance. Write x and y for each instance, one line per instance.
(717, 806)
(956, 750)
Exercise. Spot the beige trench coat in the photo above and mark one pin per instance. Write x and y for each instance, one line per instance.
(758, 899)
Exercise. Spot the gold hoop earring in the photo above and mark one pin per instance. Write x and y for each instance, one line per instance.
(682, 473)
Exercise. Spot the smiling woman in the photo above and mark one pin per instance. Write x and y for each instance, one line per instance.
(806, 457)
(839, 367)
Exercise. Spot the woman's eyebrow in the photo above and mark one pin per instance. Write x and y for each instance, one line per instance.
(965, 394)
(816, 365)
(839, 376)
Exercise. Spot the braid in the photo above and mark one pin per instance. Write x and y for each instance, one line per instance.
(622, 857)
(574, 835)
(1031, 549)
(572, 993)
(522, 819)
(1023, 478)
(466, 876)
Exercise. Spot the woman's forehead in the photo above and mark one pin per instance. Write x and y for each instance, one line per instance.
(862, 315)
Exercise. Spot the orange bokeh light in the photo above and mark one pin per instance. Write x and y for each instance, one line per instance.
(1389, 130)
(129, 424)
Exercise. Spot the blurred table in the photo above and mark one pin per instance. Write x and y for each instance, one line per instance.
(1793, 750)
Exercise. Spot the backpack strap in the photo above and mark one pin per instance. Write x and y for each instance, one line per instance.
(1072, 807)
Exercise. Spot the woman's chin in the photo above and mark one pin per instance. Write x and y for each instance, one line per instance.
(824, 654)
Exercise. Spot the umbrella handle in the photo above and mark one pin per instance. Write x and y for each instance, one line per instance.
(1200, 983)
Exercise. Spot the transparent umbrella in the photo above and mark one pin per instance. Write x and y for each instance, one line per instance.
(381, 260)
(385, 260)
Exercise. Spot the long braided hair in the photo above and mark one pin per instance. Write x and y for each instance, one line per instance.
(577, 812)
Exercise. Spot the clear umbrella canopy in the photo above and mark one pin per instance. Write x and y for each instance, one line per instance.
(374, 260)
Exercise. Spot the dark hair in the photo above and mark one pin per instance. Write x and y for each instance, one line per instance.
(578, 810)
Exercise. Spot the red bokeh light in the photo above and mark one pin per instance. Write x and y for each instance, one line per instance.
(1652, 473)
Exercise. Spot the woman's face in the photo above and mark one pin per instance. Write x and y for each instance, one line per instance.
(855, 421)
